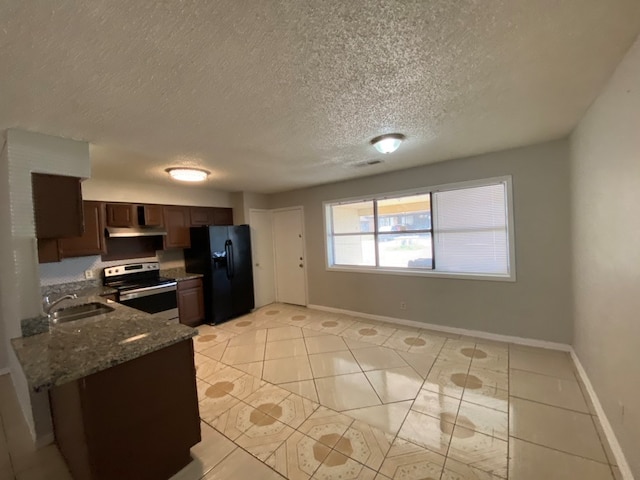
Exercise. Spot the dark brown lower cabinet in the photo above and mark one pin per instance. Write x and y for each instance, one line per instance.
(191, 302)
(136, 420)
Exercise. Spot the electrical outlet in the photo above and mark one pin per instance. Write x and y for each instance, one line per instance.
(88, 274)
(403, 305)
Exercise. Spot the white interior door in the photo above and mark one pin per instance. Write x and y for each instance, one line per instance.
(290, 265)
(260, 222)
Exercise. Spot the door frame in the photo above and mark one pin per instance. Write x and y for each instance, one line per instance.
(273, 248)
(300, 208)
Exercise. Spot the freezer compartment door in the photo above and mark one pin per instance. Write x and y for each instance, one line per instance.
(241, 269)
(220, 292)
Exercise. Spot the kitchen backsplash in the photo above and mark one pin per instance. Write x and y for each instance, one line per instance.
(72, 269)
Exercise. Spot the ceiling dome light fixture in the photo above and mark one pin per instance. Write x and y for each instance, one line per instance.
(188, 174)
(388, 143)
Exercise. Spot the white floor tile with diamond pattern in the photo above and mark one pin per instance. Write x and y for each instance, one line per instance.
(303, 394)
(315, 395)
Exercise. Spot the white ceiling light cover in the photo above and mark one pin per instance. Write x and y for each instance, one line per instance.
(387, 143)
(188, 174)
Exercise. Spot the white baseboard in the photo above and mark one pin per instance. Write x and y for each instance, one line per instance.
(625, 470)
(530, 342)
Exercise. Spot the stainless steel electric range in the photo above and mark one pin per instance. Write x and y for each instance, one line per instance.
(140, 286)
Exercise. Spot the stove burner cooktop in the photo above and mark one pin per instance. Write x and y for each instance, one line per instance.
(123, 285)
(134, 276)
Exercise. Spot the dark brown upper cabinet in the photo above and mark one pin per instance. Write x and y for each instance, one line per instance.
(48, 250)
(150, 215)
(92, 241)
(201, 216)
(57, 202)
(177, 221)
(121, 215)
(211, 216)
(223, 216)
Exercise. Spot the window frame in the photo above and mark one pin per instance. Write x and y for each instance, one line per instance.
(507, 180)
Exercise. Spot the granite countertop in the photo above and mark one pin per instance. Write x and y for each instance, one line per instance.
(79, 348)
(82, 288)
(180, 274)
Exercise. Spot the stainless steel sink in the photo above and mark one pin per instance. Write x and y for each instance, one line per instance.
(78, 312)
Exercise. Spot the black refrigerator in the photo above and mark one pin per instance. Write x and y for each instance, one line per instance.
(222, 254)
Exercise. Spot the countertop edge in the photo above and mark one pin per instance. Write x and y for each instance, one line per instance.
(53, 357)
(61, 380)
(179, 274)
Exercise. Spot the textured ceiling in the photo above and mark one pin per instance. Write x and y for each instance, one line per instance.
(274, 95)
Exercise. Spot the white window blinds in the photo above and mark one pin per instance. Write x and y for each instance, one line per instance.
(471, 231)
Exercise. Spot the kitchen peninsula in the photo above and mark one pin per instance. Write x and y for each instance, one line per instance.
(122, 390)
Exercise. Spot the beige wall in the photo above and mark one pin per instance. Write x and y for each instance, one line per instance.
(537, 305)
(237, 203)
(243, 202)
(117, 191)
(5, 251)
(605, 166)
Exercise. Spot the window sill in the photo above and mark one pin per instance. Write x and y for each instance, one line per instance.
(424, 273)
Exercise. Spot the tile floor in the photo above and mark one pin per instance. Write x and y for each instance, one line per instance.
(19, 459)
(302, 394)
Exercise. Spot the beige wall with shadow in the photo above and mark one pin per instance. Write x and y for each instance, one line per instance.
(537, 305)
(605, 167)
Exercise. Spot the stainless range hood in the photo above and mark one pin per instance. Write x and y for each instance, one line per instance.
(128, 232)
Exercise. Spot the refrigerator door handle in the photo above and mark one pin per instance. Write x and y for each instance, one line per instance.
(227, 251)
(233, 260)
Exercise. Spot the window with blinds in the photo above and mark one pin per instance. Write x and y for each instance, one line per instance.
(471, 230)
(449, 230)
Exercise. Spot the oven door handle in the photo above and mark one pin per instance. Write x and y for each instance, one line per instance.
(147, 291)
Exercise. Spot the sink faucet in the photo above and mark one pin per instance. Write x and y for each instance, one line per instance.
(47, 304)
